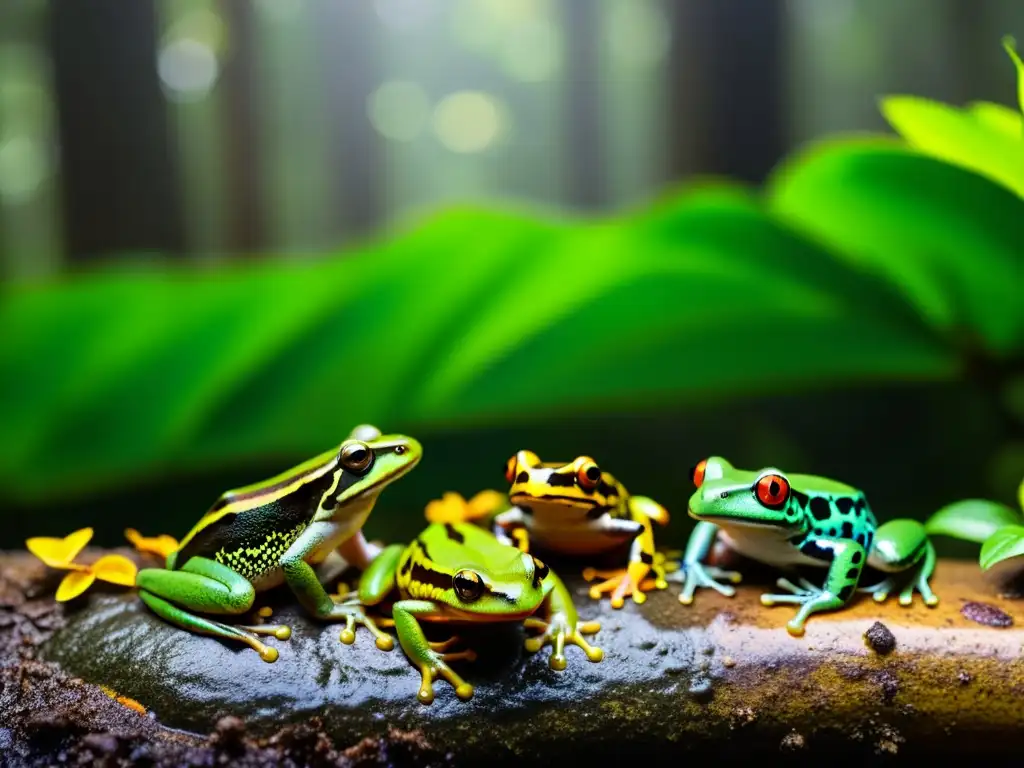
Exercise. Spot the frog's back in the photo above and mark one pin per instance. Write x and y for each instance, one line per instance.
(248, 529)
(833, 508)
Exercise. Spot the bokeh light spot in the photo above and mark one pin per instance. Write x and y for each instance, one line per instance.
(398, 109)
(188, 68)
(532, 51)
(468, 121)
(638, 33)
(24, 164)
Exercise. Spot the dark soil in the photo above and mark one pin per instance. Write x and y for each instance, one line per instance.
(48, 717)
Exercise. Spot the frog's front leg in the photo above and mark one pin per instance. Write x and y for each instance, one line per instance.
(510, 528)
(902, 548)
(692, 571)
(206, 586)
(303, 581)
(631, 580)
(431, 658)
(846, 563)
(560, 625)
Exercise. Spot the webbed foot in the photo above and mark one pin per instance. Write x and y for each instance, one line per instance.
(694, 575)
(810, 597)
(880, 592)
(437, 666)
(353, 613)
(621, 584)
(557, 632)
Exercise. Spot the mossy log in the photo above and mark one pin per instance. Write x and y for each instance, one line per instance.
(721, 677)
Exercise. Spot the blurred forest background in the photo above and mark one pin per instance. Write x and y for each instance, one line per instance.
(217, 133)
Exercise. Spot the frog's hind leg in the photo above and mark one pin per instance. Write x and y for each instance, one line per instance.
(206, 586)
(902, 549)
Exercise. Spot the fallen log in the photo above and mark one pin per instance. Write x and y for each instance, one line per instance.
(720, 678)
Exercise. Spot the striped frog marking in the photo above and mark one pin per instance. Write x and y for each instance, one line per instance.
(580, 509)
(257, 537)
(793, 520)
(459, 573)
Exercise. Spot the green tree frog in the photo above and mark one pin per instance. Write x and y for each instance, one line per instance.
(256, 537)
(459, 573)
(579, 509)
(794, 520)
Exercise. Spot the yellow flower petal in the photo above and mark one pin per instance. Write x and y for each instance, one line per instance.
(450, 508)
(74, 584)
(115, 569)
(161, 545)
(486, 502)
(58, 553)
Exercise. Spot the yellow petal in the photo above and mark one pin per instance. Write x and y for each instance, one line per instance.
(115, 569)
(486, 502)
(161, 545)
(123, 700)
(74, 584)
(450, 508)
(58, 553)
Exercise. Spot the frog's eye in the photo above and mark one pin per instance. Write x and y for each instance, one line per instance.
(356, 457)
(510, 470)
(772, 491)
(588, 474)
(697, 473)
(468, 586)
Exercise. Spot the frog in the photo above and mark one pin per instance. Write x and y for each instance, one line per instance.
(277, 531)
(461, 574)
(789, 520)
(579, 509)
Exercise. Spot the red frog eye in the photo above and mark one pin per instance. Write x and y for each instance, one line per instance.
(588, 474)
(510, 470)
(697, 473)
(772, 490)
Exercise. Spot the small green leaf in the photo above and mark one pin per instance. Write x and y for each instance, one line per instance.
(1004, 544)
(1011, 48)
(1020, 494)
(972, 520)
(959, 137)
(996, 117)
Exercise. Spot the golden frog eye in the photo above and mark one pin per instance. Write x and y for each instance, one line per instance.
(356, 457)
(588, 474)
(468, 586)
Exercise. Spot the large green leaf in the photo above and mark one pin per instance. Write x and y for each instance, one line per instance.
(1004, 544)
(949, 238)
(475, 317)
(972, 520)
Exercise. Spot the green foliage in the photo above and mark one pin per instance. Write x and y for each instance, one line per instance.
(865, 260)
(982, 137)
(972, 520)
(1005, 544)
